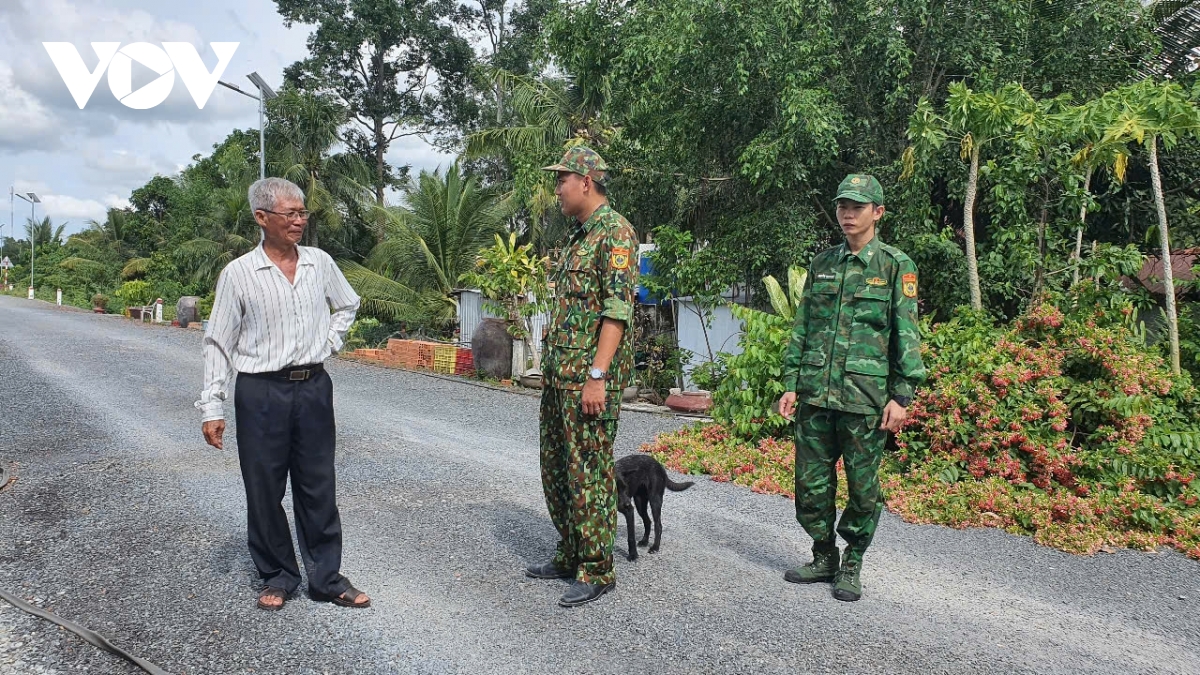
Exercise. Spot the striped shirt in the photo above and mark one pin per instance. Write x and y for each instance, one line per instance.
(262, 323)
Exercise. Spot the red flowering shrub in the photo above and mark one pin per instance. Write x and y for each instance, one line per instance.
(1056, 427)
(768, 466)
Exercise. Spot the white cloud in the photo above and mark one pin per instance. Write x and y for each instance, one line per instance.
(73, 210)
(84, 161)
(108, 166)
(25, 123)
(82, 23)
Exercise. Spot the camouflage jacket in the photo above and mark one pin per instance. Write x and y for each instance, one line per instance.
(595, 278)
(856, 341)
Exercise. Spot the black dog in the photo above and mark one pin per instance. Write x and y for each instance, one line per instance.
(641, 480)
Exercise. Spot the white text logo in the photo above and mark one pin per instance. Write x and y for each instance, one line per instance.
(173, 57)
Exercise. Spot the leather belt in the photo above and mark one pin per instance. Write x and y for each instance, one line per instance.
(293, 373)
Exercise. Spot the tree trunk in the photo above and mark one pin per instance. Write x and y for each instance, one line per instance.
(1078, 257)
(1168, 274)
(1039, 275)
(969, 231)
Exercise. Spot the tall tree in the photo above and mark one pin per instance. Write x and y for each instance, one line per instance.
(304, 133)
(1153, 112)
(431, 242)
(974, 119)
(396, 65)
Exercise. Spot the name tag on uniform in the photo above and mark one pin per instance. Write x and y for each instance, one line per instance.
(876, 281)
(827, 277)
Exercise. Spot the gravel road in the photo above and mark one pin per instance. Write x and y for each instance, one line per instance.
(122, 520)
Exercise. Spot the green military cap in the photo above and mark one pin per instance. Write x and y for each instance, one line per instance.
(584, 161)
(860, 187)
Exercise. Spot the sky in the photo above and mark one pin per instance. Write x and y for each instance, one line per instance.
(81, 162)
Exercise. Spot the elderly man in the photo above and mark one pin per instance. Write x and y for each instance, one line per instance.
(271, 322)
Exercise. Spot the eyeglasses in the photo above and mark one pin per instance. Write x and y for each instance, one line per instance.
(290, 215)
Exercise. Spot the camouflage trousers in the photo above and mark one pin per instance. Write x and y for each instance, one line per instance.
(579, 480)
(822, 436)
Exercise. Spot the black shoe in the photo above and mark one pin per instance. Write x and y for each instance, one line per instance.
(581, 593)
(548, 571)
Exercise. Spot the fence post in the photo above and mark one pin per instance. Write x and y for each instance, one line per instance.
(158, 311)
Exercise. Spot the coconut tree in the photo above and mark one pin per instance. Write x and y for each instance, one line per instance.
(227, 232)
(545, 115)
(429, 243)
(305, 129)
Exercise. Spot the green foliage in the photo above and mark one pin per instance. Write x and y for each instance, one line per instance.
(367, 333)
(206, 305)
(513, 282)
(428, 245)
(375, 59)
(135, 293)
(750, 383)
(659, 360)
(1056, 426)
(99, 301)
(744, 399)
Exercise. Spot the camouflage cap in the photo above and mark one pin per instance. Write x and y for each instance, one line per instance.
(584, 161)
(862, 188)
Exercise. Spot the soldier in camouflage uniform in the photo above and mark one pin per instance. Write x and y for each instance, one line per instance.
(587, 360)
(852, 364)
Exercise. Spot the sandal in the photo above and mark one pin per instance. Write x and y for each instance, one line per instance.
(346, 599)
(272, 592)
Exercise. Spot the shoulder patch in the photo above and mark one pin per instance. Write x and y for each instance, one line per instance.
(909, 285)
(619, 258)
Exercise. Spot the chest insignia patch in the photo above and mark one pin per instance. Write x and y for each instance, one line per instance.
(876, 281)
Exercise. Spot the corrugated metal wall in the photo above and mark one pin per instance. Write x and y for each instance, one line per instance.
(471, 311)
(723, 334)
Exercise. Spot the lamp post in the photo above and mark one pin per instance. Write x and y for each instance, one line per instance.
(265, 94)
(33, 201)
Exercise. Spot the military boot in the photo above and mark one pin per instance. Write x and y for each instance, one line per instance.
(847, 586)
(823, 567)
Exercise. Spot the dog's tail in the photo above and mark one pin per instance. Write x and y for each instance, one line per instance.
(679, 487)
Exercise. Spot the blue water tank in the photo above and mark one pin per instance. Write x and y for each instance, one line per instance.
(646, 269)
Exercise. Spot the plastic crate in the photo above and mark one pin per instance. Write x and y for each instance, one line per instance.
(464, 363)
(444, 359)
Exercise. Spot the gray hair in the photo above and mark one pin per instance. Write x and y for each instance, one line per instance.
(266, 193)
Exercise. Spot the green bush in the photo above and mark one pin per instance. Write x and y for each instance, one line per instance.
(659, 359)
(1067, 428)
(745, 397)
(135, 293)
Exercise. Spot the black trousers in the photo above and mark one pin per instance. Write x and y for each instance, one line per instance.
(287, 428)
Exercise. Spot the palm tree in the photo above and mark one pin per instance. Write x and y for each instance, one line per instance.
(305, 128)
(428, 245)
(227, 233)
(547, 114)
(43, 231)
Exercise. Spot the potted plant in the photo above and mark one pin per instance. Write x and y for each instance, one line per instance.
(512, 280)
(99, 303)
